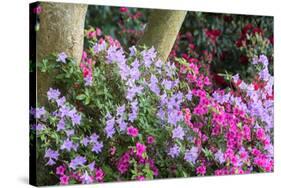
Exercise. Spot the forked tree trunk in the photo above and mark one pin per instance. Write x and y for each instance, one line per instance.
(162, 29)
(61, 30)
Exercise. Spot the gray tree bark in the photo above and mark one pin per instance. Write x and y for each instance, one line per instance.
(162, 29)
(61, 30)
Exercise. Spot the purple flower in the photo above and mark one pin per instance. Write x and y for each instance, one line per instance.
(167, 84)
(40, 127)
(52, 155)
(53, 94)
(86, 179)
(69, 145)
(69, 132)
(61, 125)
(120, 110)
(94, 138)
(219, 156)
(132, 91)
(62, 57)
(64, 111)
(76, 119)
(97, 147)
(191, 155)
(174, 151)
(88, 80)
(78, 161)
(174, 116)
(122, 124)
(264, 74)
(124, 70)
(39, 112)
(154, 85)
(85, 141)
(178, 133)
(109, 129)
(161, 114)
(61, 101)
(115, 55)
(133, 50)
(98, 47)
(159, 63)
(148, 56)
(133, 116)
(263, 59)
(92, 166)
(189, 95)
(135, 73)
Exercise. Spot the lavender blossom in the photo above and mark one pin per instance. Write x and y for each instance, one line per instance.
(77, 161)
(191, 155)
(62, 57)
(178, 133)
(174, 151)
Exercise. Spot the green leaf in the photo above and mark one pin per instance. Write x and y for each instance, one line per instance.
(81, 97)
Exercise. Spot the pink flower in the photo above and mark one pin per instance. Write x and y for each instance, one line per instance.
(92, 34)
(150, 139)
(37, 10)
(99, 174)
(201, 170)
(123, 9)
(112, 150)
(140, 178)
(132, 131)
(140, 149)
(98, 31)
(64, 180)
(60, 170)
(260, 134)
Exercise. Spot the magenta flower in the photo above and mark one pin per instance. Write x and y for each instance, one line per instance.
(260, 134)
(60, 170)
(150, 139)
(140, 178)
(201, 170)
(99, 175)
(64, 180)
(37, 10)
(140, 149)
(132, 131)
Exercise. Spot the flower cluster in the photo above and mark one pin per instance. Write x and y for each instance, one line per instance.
(134, 116)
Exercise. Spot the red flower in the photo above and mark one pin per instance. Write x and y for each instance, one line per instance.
(246, 28)
(271, 39)
(244, 59)
(213, 34)
(258, 31)
(123, 9)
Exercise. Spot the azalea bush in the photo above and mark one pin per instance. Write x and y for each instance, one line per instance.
(226, 42)
(126, 115)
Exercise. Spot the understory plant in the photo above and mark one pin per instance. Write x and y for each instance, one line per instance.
(120, 115)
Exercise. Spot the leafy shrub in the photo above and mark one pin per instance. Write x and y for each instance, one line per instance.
(121, 115)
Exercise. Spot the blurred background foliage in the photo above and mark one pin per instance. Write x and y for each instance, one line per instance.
(228, 42)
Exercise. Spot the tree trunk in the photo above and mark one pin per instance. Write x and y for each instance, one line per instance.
(61, 30)
(162, 29)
